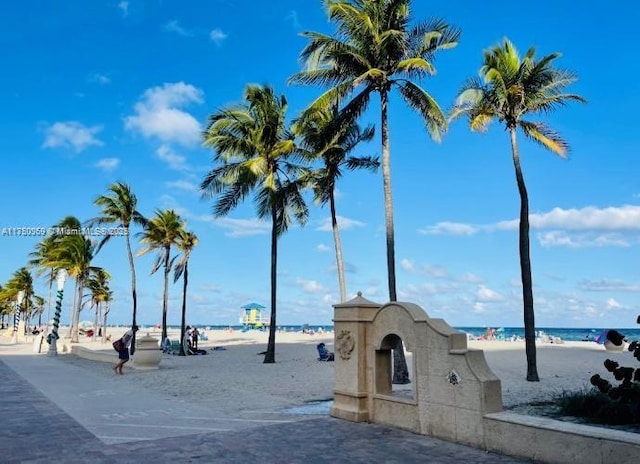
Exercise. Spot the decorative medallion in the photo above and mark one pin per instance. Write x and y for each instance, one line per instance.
(453, 377)
(345, 344)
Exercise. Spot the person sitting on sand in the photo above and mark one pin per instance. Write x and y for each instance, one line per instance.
(123, 354)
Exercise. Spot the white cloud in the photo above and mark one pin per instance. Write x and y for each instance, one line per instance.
(124, 8)
(182, 185)
(343, 224)
(175, 161)
(479, 308)
(449, 228)
(322, 248)
(217, 36)
(613, 304)
(626, 217)
(407, 265)
(572, 228)
(605, 285)
(108, 164)
(471, 278)
(71, 134)
(158, 114)
(485, 294)
(310, 286)
(243, 227)
(174, 26)
(557, 238)
(100, 78)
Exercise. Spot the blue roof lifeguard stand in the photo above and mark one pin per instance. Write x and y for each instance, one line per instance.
(252, 316)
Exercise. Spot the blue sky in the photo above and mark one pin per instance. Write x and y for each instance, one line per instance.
(108, 91)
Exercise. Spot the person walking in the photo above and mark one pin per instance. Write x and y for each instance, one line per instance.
(123, 353)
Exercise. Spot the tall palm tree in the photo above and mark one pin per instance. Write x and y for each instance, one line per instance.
(38, 306)
(118, 208)
(98, 286)
(160, 233)
(324, 135)
(509, 89)
(256, 152)
(376, 49)
(187, 241)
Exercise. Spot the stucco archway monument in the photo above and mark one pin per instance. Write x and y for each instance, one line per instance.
(452, 386)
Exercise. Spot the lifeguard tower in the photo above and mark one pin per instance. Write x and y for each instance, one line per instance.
(251, 316)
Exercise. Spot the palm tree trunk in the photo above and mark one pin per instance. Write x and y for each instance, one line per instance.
(165, 296)
(49, 302)
(73, 308)
(270, 355)
(338, 246)
(183, 325)
(525, 267)
(104, 324)
(133, 291)
(76, 313)
(388, 200)
(400, 370)
(95, 323)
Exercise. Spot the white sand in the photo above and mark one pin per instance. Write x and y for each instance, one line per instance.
(235, 379)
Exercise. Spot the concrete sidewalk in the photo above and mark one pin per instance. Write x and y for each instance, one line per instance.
(53, 411)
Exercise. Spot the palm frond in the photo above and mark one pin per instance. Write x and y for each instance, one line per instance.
(545, 136)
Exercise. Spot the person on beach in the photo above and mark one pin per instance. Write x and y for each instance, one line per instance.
(123, 354)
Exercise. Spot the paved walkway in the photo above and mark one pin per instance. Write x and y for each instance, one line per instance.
(54, 412)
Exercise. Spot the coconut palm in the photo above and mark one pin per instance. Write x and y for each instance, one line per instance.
(75, 253)
(21, 281)
(509, 89)
(98, 286)
(118, 208)
(187, 241)
(159, 234)
(376, 49)
(42, 261)
(38, 306)
(256, 152)
(324, 135)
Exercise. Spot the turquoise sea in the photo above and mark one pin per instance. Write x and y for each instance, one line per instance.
(567, 334)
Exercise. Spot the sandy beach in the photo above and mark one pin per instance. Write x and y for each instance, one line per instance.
(233, 378)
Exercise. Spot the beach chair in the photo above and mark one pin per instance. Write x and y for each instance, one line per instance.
(324, 354)
(170, 346)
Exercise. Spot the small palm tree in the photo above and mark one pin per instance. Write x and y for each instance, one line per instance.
(98, 286)
(160, 233)
(119, 208)
(75, 253)
(186, 242)
(257, 152)
(42, 261)
(324, 135)
(21, 281)
(509, 89)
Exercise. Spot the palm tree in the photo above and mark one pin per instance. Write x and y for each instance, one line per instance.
(323, 135)
(376, 49)
(118, 208)
(98, 286)
(509, 89)
(21, 281)
(75, 253)
(42, 261)
(38, 306)
(257, 152)
(187, 241)
(160, 233)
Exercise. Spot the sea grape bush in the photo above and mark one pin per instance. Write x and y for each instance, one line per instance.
(628, 389)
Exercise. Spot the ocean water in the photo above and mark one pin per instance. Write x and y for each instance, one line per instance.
(567, 334)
